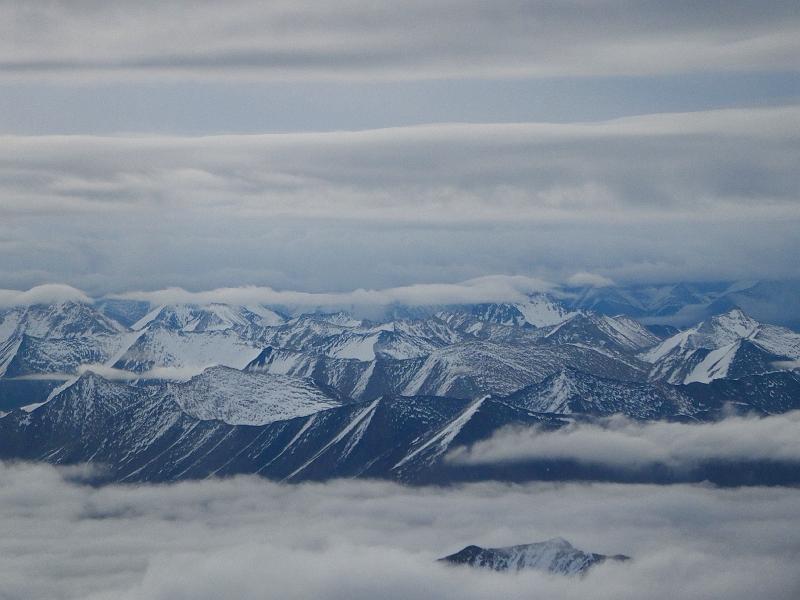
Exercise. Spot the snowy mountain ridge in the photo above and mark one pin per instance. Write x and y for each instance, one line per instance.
(464, 353)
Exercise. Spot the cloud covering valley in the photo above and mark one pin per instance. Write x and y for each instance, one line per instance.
(246, 537)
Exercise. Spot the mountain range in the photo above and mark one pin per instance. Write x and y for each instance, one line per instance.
(157, 393)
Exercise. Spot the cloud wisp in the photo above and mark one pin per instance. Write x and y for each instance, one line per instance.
(621, 443)
(314, 40)
(240, 537)
(113, 374)
(42, 294)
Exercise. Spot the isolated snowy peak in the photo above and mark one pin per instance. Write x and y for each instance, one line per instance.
(555, 555)
(726, 328)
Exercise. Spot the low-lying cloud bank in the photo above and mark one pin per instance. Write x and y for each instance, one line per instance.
(247, 538)
(621, 443)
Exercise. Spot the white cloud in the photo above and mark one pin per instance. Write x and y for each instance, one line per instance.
(43, 377)
(245, 537)
(490, 288)
(168, 373)
(42, 294)
(164, 373)
(497, 288)
(619, 442)
(787, 364)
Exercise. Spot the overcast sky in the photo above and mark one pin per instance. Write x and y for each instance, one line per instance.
(325, 146)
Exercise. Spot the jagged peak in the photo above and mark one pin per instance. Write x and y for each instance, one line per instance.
(732, 324)
(87, 396)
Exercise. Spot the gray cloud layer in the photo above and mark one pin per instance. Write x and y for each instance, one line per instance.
(619, 442)
(246, 538)
(664, 197)
(446, 38)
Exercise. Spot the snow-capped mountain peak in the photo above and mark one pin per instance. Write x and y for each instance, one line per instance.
(560, 388)
(717, 346)
(711, 334)
(210, 317)
(88, 402)
(555, 555)
(65, 320)
(728, 327)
